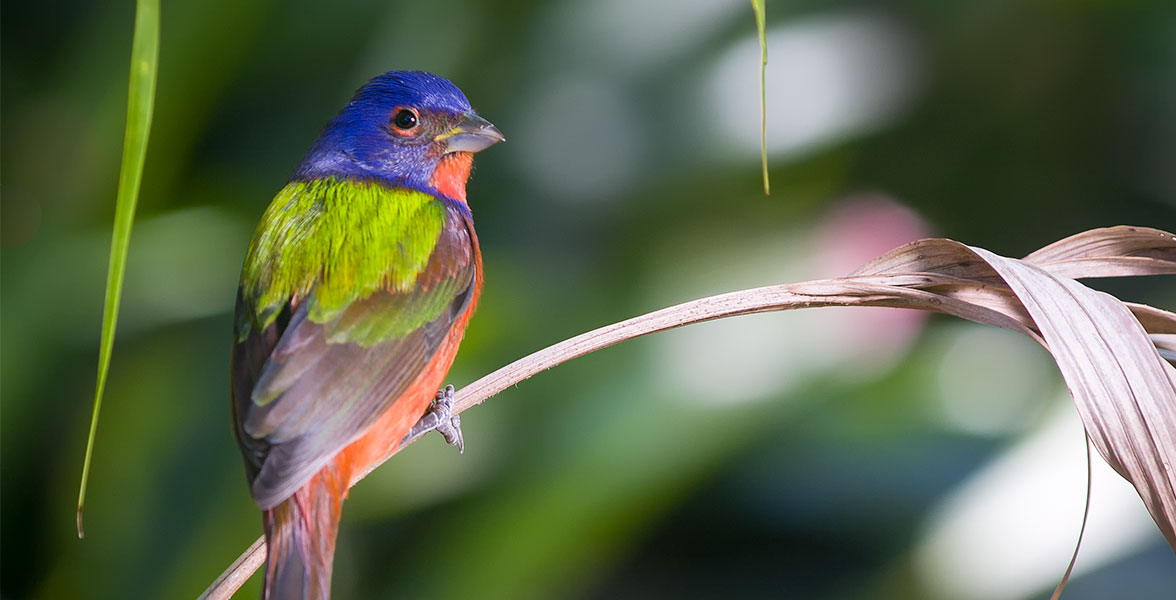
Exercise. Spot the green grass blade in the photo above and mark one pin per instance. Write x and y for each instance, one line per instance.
(758, 7)
(140, 103)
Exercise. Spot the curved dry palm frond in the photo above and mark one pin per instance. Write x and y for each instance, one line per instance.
(1124, 389)
(1106, 349)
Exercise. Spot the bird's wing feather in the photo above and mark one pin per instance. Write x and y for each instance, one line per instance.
(315, 378)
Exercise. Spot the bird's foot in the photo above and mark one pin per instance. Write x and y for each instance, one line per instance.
(440, 417)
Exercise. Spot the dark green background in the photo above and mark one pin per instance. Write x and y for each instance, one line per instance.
(1028, 120)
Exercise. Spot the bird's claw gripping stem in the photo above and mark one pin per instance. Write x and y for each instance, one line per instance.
(440, 417)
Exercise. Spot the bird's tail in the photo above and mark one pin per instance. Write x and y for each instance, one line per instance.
(300, 534)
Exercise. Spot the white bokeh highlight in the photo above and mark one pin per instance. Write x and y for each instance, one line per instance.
(991, 381)
(1007, 533)
(828, 78)
(581, 140)
(638, 35)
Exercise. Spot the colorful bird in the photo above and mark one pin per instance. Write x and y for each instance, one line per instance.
(354, 296)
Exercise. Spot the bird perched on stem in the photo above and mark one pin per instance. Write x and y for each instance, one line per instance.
(354, 296)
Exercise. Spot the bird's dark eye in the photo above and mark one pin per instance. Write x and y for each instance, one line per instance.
(405, 119)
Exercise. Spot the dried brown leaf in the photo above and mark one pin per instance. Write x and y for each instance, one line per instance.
(1109, 252)
(1154, 320)
(934, 255)
(1125, 392)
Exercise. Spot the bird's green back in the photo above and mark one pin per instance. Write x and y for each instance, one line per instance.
(334, 241)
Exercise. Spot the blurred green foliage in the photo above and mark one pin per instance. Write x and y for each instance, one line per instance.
(751, 457)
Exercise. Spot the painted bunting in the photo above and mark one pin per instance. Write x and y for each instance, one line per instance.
(356, 291)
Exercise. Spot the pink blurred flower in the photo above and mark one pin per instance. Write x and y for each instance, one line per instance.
(855, 230)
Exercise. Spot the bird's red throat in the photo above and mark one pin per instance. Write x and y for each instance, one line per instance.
(451, 175)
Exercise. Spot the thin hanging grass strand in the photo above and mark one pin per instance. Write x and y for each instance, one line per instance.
(140, 104)
(1057, 593)
(758, 7)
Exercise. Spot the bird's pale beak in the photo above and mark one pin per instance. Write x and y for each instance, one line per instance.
(472, 134)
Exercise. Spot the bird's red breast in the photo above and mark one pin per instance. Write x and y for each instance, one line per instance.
(451, 174)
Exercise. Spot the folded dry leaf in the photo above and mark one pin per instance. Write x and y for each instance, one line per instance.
(1124, 390)
(1108, 252)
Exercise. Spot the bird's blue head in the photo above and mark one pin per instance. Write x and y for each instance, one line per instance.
(406, 128)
